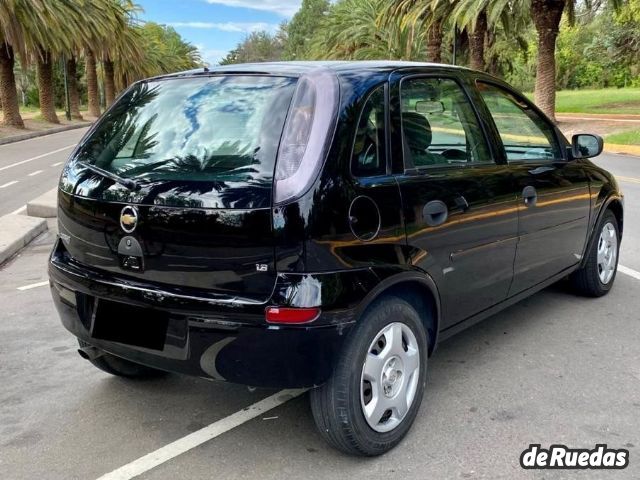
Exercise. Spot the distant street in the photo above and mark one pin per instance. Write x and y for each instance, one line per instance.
(31, 167)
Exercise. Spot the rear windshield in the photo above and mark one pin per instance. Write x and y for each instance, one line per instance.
(221, 128)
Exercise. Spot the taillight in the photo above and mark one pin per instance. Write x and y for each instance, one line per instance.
(290, 315)
(308, 132)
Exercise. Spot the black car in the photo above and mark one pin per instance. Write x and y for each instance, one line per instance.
(321, 225)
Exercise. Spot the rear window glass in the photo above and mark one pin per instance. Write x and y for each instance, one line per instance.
(224, 128)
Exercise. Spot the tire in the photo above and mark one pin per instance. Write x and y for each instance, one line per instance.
(121, 367)
(338, 406)
(588, 280)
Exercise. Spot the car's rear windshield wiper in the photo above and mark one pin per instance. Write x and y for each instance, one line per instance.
(127, 182)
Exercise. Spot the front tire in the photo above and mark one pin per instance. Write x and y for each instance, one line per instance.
(371, 400)
(595, 278)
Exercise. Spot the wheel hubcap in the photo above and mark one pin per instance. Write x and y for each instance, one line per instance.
(607, 253)
(390, 377)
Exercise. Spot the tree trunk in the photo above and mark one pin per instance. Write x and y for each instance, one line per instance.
(109, 82)
(45, 87)
(546, 17)
(74, 94)
(476, 42)
(434, 42)
(491, 59)
(93, 98)
(8, 90)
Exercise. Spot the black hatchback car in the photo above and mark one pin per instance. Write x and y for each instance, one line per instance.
(321, 225)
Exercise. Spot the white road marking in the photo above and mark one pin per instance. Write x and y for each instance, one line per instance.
(18, 211)
(629, 271)
(57, 164)
(36, 158)
(35, 173)
(33, 285)
(8, 184)
(184, 444)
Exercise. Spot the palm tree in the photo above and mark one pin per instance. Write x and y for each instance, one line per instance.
(72, 82)
(429, 15)
(91, 72)
(53, 32)
(40, 31)
(546, 16)
(356, 29)
(161, 50)
(477, 38)
(123, 45)
(8, 90)
(103, 18)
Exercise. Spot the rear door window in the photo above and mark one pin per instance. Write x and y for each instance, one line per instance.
(217, 128)
(439, 125)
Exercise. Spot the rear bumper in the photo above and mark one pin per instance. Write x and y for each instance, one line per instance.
(223, 339)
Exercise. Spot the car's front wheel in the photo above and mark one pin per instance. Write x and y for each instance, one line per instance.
(374, 394)
(595, 278)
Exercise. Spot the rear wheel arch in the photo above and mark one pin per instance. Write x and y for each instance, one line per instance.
(419, 290)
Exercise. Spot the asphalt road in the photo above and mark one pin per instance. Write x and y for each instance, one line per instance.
(555, 368)
(31, 167)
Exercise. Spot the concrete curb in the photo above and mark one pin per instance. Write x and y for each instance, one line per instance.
(45, 206)
(17, 231)
(42, 133)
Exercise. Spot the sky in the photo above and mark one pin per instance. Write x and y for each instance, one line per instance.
(217, 26)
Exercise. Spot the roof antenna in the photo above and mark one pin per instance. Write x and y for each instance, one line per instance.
(206, 69)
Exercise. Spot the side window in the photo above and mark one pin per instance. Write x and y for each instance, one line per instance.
(525, 134)
(439, 125)
(369, 147)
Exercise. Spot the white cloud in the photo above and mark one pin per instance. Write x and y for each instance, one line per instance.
(228, 26)
(212, 56)
(285, 8)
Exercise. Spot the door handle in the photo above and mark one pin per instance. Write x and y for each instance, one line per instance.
(435, 213)
(530, 196)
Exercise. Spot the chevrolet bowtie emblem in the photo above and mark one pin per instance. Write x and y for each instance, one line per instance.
(129, 219)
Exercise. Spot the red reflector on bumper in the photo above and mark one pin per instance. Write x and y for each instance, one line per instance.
(291, 315)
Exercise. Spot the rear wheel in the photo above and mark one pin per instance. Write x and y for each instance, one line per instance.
(119, 366)
(373, 396)
(595, 278)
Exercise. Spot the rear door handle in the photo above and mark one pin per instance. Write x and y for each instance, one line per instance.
(435, 213)
(530, 196)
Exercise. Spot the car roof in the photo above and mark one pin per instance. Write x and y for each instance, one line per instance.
(300, 68)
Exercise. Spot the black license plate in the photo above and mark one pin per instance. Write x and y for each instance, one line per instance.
(131, 325)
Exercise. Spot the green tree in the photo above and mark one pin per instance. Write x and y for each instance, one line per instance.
(32, 29)
(163, 51)
(545, 16)
(257, 47)
(302, 27)
(358, 30)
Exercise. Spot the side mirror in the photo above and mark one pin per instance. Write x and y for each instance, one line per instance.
(586, 145)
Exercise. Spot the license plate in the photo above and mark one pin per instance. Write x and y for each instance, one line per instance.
(131, 325)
